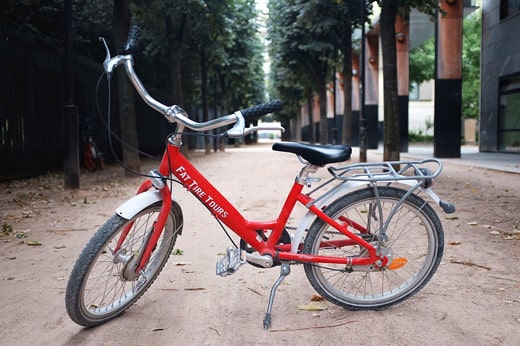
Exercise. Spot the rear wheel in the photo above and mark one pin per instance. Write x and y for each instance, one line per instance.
(102, 284)
(413, 241)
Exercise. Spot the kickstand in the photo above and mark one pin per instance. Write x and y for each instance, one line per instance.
(285, 270)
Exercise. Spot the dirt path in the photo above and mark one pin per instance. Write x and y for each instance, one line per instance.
(473, 299)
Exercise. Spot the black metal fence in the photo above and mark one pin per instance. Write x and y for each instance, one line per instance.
(32, 108)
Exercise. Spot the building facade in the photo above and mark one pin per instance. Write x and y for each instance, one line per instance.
(500, 77)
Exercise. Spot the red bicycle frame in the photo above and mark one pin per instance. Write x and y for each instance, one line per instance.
(174, 162)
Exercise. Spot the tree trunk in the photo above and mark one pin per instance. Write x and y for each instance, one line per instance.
(310, 102)
(125, 90)
(322, 94)
(204, 94)
(176, 36)
(391, 103)
(175, 41)
(346, 137)
(224, 96)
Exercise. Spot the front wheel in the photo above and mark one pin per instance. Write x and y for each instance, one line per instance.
(412, 237)
(101, 285)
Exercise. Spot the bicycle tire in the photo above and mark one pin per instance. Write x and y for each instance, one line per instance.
(96, 291)
(415, 233)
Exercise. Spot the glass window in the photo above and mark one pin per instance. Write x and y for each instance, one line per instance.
(414, 92)
(509, 8)
(509, 117)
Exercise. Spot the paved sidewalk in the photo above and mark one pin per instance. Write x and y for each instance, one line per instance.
(470, 156)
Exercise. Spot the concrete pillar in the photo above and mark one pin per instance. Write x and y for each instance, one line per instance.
(372, 89)
(402, 31)
(355, 100)
(448, 80)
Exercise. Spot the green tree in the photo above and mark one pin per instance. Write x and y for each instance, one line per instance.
(288, 79)
(422, 62)
(315, 50)
(125, 91)
(167, 26)
(308, 39)
(45, 19)
(471, 65)
(389, 11)
(239, 74)
(221, 34)
(210, 40)
(305, 38)
(348, 18)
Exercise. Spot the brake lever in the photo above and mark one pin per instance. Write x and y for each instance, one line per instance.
(237, 131)
(262, 128)
(106, 62)
(109, 64)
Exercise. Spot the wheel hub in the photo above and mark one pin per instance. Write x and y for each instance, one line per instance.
(129, 265)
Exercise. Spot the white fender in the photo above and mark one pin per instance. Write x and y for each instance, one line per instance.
(137, 203)
(329, 197)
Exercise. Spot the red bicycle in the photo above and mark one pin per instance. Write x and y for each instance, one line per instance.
(92, 157)
(367, 240)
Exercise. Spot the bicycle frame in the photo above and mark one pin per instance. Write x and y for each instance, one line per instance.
(174, 162)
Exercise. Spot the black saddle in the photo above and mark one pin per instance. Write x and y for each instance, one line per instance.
(318, 155)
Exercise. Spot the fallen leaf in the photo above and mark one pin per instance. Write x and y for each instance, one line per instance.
(317, 298)
(21, 235)
(312, 306)
(470, 264)
(456, 242)
(182, 263)
(473, 223)
(34, 243)
(254, 291)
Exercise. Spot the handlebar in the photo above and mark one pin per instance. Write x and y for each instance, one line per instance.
(262, 109)
(130, 46)
(176, 114)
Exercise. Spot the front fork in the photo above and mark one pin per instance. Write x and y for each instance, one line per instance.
(150, 241)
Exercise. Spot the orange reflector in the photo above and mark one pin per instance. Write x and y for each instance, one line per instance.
(397, 263)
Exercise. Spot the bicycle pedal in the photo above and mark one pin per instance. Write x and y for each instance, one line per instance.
(230, 263)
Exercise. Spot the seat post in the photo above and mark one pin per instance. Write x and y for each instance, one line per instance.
(303, 176)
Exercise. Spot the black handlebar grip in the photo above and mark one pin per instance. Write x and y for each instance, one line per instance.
(262, 109)
(130, 46)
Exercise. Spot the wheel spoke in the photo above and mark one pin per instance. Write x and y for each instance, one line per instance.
(412, 240)
(99, 288)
